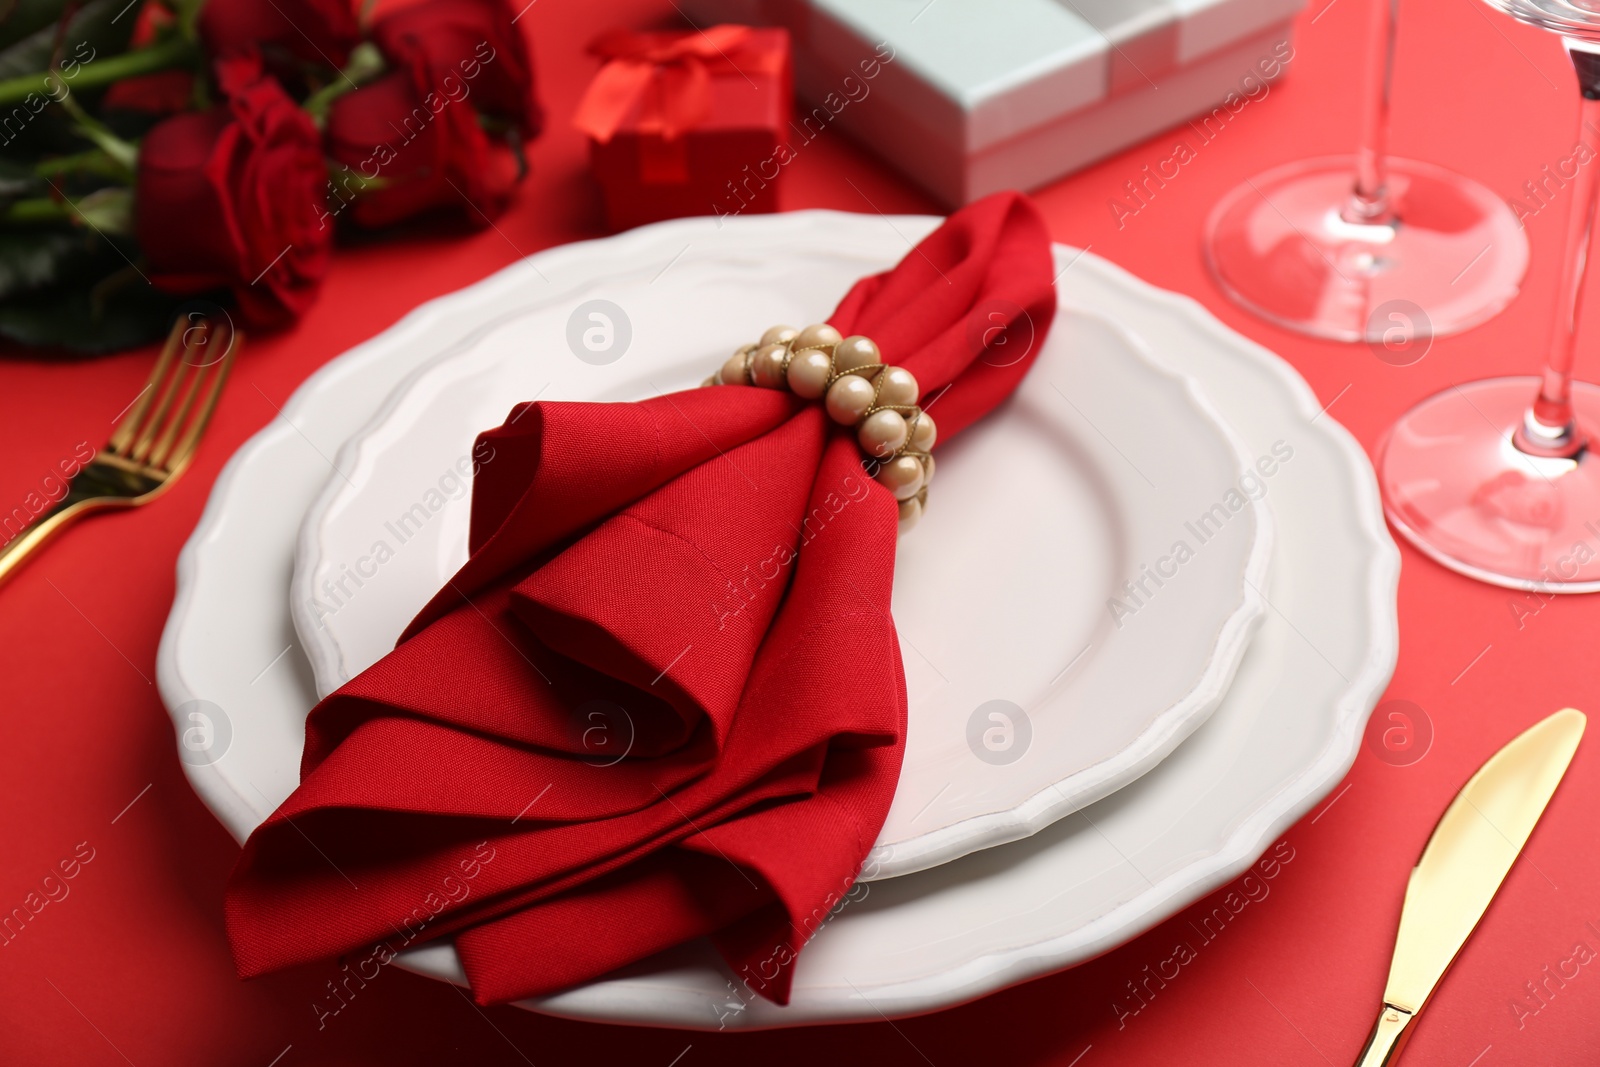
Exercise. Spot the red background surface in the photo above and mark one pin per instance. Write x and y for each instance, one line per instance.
(133, 967)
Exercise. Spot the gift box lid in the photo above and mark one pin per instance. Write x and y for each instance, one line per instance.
(980, 72)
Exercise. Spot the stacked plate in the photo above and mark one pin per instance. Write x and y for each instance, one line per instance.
(1143, 620)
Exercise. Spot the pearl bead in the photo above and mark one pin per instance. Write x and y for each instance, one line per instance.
(902, 476)
(883, 434)
(777, 335)
(767, 366)
(910, 513)
(817, 335)
(732, 372)
(898, 388)
(809, 373)
(849, 398)
(927, 470)
(923, 432)
(855, 351)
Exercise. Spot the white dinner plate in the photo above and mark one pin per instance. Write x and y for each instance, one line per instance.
(1073, 604)
(1284, 734)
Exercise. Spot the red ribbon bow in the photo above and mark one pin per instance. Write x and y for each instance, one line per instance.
(668, 75)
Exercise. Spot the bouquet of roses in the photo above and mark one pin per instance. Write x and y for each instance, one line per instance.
(154, 152)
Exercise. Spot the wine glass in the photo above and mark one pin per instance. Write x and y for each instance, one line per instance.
(1345, 248)
(1496, 478)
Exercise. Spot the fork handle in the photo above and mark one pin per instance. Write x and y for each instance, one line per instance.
(44, 526)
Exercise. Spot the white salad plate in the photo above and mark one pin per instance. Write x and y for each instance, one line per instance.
(1284, 733)
(1057, 641)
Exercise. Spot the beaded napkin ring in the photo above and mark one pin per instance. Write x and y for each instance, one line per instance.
(857, 389)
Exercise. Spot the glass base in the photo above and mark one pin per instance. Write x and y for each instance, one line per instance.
(1455, 485)
(1451, 257)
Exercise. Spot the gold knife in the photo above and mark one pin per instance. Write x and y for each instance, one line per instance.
(1476, 842)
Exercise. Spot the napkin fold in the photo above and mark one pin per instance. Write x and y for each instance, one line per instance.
(663, 699)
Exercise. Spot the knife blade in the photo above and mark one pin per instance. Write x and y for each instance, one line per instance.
(1472, 848)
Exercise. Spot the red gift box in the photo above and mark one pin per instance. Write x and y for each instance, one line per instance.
(688, 123)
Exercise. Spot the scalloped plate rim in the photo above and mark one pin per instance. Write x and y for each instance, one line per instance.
(644, 1000)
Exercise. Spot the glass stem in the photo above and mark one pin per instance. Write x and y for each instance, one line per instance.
(1548, 429)
(1369, 203)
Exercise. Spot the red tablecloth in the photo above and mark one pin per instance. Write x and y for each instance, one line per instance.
(131, 966)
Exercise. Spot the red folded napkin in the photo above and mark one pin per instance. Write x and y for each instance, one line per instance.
(663, 698)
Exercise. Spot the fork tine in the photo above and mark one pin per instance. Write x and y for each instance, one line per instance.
(139, 452)
(183, 451)
(122, 436)
(163, 443)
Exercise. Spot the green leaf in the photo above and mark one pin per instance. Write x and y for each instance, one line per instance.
(18, 179)
(100, 28)
(108, 210)
(36, 259)
(79, 319)
(19, 18)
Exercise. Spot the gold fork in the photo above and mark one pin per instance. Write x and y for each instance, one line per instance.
(151, 445)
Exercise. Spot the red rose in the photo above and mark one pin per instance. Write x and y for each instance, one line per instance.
(235, 196)
(460, 71)
(320, 32)
(438, 39)
(385, 130)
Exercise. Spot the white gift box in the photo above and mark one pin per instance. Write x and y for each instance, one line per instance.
(968, 97)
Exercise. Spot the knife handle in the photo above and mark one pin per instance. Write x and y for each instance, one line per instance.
(1387, 1039)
